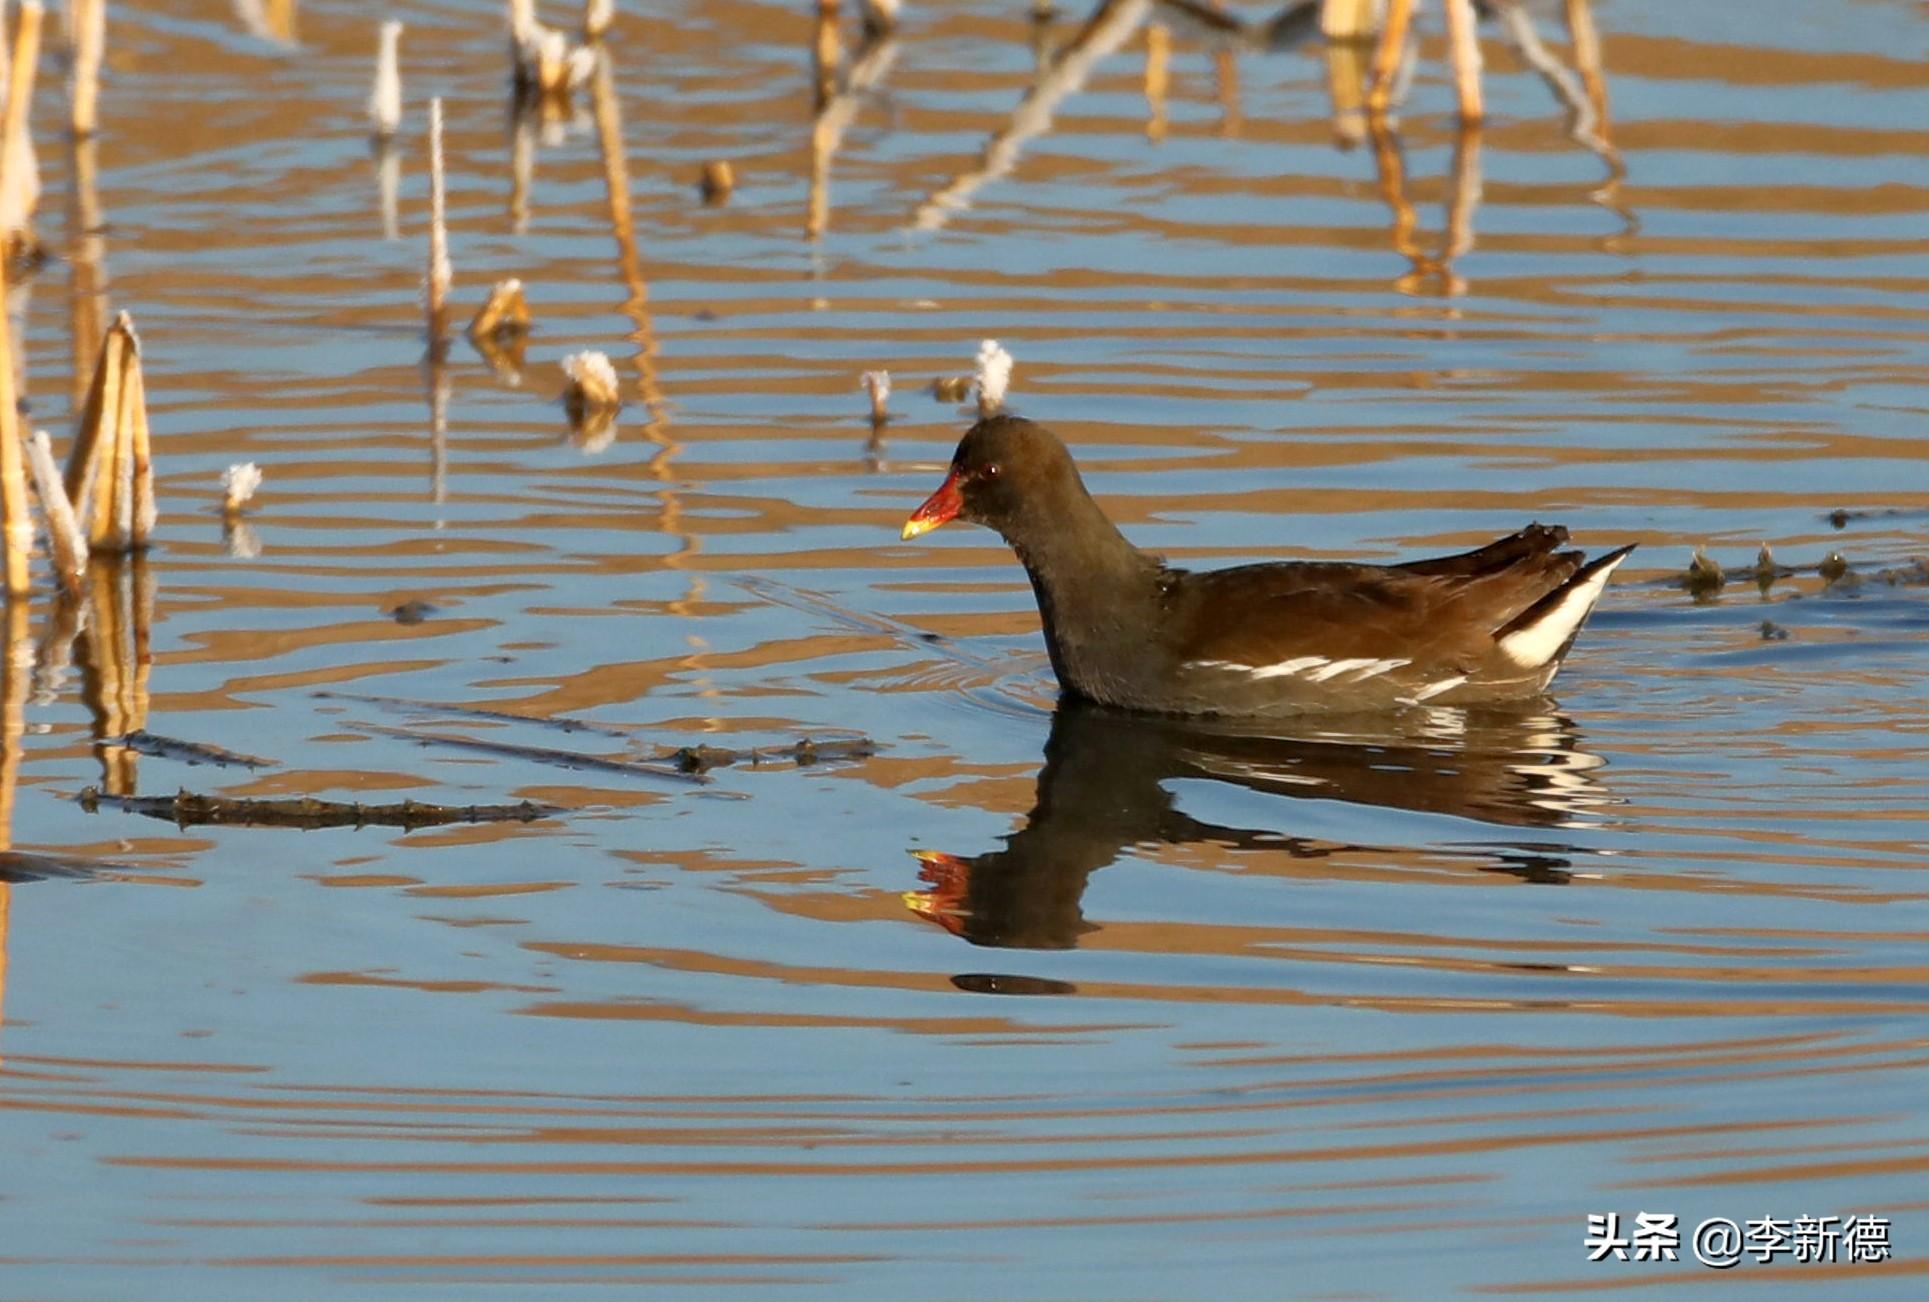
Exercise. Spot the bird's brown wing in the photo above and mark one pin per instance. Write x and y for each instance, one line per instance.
(1430, 612)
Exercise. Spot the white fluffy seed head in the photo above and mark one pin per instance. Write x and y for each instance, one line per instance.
(994, 377)
(592, 379)
(239, 483)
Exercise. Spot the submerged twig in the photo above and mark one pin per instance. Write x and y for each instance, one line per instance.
(190, 752)
(541, 754)
(186, 809)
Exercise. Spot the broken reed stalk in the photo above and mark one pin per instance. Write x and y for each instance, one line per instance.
(1465, 43)
(1388, 55)
(1158, 79)
(1587, 58)
(597, 17)
(827, 53)
(110, 472)
(15, 523)
(441, 274)
(19, 173)
(66, 544)
(1348, 20)
(89, 40)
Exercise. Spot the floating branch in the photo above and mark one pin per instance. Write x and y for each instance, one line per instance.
(385, 101)
(568, 759)
(561, 723)
(804, 753)
(19, 172)
(66, 544)
(994, 377)
(110, 472)
(441, 274)
(87, 32)
(186, 809)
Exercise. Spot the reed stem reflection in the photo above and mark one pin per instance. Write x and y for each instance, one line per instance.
(116, 657)
(1106, 787)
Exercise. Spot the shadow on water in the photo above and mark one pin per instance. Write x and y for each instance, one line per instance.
(1106, 787)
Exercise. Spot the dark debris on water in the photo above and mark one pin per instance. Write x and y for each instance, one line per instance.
(187, 809)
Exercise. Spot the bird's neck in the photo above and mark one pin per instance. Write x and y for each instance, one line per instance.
(1097, 595)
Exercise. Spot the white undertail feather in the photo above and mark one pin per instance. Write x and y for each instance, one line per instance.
(994, 377)
(1534, 646)
(385, 101)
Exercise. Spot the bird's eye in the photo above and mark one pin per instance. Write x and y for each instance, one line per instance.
(991, 470)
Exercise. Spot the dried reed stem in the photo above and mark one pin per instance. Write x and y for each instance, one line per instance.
(441, 274)
(597, 17)
(19, 173)
(1465, 42)
(385, 100)
(1388, 54)
(1587, 58)
(1158, 79)
(827, 53)
(89, 40)
(15, 523)
(110, 472)
(66, 544)
(1348, 20)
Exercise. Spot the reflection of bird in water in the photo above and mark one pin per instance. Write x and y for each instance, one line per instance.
(1106, 787)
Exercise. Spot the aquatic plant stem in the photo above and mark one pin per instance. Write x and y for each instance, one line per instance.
(441, 274)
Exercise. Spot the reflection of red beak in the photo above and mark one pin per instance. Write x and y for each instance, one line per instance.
(950, 879)
(940, 506)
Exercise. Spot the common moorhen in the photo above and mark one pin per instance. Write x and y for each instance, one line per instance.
(1127, 630)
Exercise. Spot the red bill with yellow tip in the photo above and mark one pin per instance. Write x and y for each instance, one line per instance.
(941, 506)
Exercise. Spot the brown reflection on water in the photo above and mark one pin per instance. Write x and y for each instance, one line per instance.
(1105, 787)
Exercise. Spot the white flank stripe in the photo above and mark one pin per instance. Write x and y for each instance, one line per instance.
(1340, 667)
(1432, 690)
(1532, 647)
(1287, 667)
